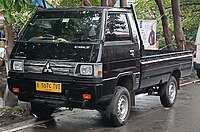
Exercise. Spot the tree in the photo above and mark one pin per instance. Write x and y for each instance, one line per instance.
(11, 9)
(156, 11)
(86, 3)
(64, 3)
(179, 35)
(190, 18)
(123, 3)
(111, 3)
(166, 32)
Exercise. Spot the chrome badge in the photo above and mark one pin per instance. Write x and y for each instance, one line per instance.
(47, 68)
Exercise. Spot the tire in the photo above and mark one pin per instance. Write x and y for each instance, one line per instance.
(168, 92)
(120, 106)
(198, 73)
(41, 111)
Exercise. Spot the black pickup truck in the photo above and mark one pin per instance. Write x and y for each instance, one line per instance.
(91, 58)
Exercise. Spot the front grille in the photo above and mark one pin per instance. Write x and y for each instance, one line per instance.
(57, 67)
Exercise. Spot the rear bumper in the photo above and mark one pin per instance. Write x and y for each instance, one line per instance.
(71, 95)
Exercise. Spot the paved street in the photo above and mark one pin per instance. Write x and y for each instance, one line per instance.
(148, 115)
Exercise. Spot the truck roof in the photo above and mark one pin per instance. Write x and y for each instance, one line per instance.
(98, 8)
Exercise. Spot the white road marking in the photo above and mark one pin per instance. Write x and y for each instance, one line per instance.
(26, 126)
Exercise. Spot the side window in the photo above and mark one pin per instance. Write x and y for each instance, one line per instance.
(117, 28)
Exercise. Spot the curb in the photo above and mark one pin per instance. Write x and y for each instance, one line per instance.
(184, 84)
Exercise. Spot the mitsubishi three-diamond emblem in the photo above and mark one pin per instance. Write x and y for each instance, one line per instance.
(47, 68)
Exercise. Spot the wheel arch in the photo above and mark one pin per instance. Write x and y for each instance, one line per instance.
(125, 81)
(128, 81)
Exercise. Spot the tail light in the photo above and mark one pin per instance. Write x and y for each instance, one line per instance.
(87, 96)
(194, 51)
(16, 90)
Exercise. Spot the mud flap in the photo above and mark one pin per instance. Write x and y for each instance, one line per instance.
(132, 99)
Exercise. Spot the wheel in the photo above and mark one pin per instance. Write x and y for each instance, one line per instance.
(41, 111)
(119, 108)
(168, 92)
(198, 73)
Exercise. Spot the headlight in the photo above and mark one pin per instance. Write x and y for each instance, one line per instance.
(18, 65)
(86, 70)
(90, 69)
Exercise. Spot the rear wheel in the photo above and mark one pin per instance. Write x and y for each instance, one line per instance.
(41, 111)
(168, 92)
(198, 73)
(119, 108)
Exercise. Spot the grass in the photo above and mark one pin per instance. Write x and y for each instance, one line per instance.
(16, 110)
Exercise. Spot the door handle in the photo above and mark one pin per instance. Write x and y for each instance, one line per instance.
(132, 53)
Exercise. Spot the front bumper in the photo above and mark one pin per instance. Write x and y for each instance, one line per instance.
(71, 95)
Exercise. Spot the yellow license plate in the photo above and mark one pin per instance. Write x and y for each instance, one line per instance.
(49, 87)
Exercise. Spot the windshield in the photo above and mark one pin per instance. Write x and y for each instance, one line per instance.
(56, 51)
(63, 26)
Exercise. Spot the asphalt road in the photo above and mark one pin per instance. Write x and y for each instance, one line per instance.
(148, 116)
